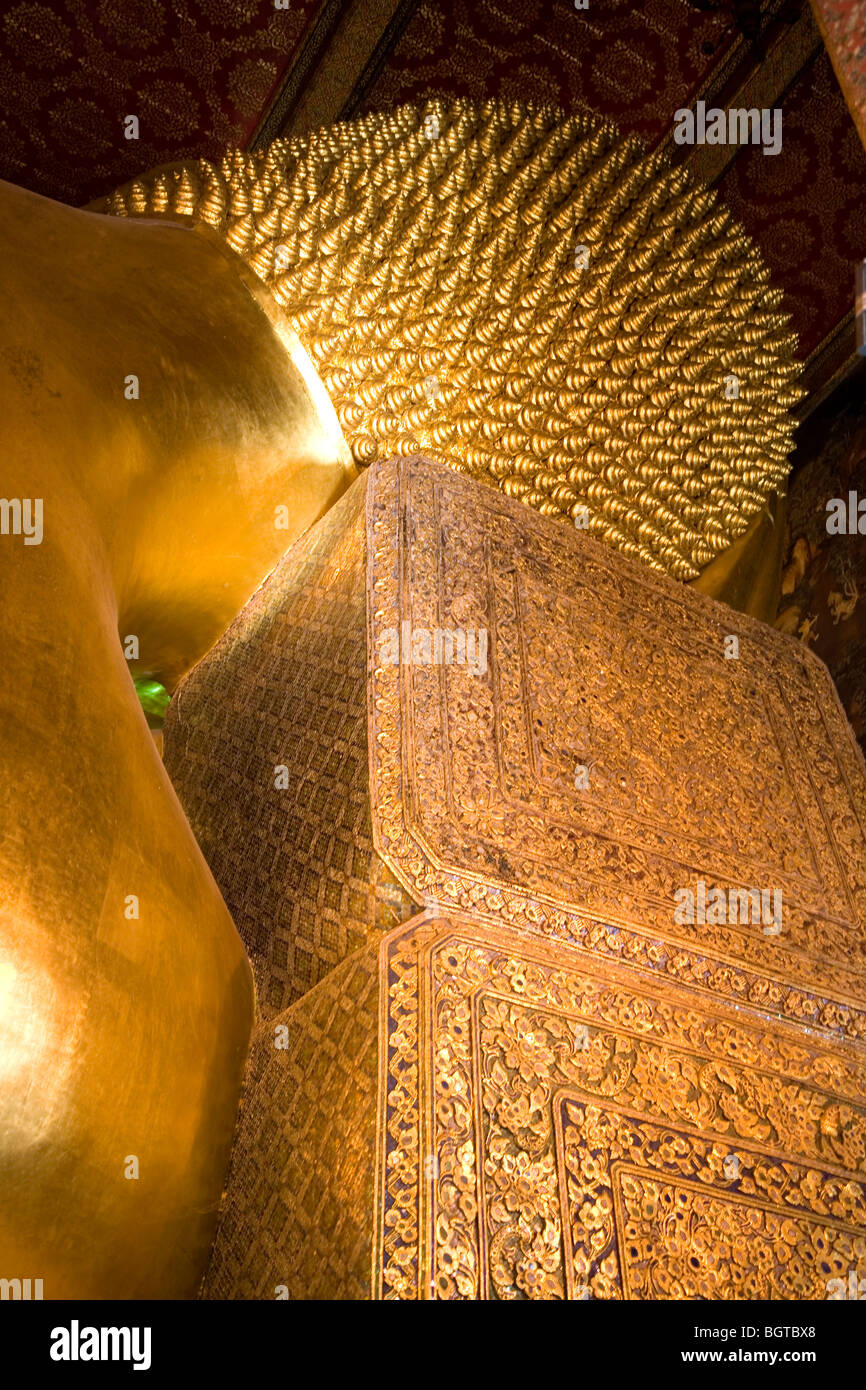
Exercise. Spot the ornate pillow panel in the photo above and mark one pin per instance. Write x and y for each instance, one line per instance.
(555, 1127)
(566, 741)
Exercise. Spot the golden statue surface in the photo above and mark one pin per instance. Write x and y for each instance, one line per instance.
(153, 430)
(438, 775)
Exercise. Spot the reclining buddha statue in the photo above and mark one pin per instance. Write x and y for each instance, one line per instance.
(450, 370)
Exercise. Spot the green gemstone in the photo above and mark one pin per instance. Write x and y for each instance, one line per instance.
(154, 697)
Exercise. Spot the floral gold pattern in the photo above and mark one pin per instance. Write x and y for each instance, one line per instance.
(552, 1129)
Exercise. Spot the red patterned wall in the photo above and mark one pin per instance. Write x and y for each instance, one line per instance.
(197, 73)
(806, 207)
(633, 62)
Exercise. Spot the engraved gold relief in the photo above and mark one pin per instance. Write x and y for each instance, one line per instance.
(700, 768)
(563, 1128)
(577, 1097)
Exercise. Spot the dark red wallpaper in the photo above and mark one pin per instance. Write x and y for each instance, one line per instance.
(197, 73)
(635, 63)
(806, 207)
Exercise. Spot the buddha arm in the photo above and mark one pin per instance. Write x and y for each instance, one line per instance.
(125, 995)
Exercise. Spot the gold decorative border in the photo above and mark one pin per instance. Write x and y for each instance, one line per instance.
(789, 1105)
